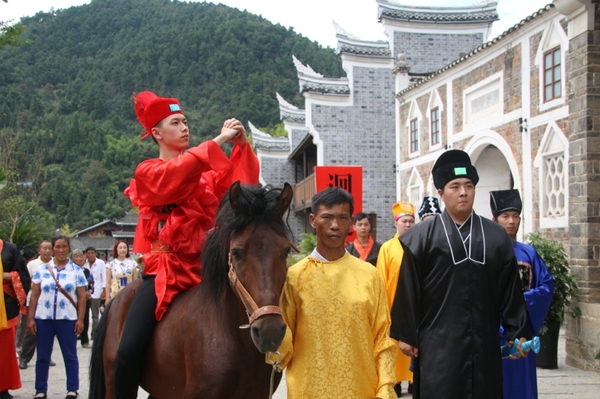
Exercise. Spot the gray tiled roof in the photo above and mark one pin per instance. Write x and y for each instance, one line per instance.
(350, 44)
(265, 141)
(289, 112)
(479, 49)
(365, 50)
(325, 87)
(129, 218)
(311, 81)
(100, 243)
(401, 12)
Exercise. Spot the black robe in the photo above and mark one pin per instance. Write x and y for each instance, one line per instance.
(371, 258)
(449, 302)
(12, 260)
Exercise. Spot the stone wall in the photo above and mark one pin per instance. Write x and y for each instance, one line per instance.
(364, 134)
(583, 71)
(428, 52)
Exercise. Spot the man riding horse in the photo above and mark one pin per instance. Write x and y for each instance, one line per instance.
(178, 195)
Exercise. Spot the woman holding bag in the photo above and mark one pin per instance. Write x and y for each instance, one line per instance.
(56, 309)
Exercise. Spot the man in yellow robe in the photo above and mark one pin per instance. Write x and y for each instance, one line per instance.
(388, 264)
(337, 344)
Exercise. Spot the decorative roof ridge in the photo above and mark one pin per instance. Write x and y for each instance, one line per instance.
(257, 133)
(478, 13)
(305, 70)
(339, 31)
(482, 47)
(285, 104)
(346, 37)
(481, 6)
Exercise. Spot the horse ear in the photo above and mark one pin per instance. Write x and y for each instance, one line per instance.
(235, 192)
(285, 199)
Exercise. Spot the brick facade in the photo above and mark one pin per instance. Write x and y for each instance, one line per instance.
(583, 69)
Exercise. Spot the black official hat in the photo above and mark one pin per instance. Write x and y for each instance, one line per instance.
(453, 164)
(505, 200)
(429, 206)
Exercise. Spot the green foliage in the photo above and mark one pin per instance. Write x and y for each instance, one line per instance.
(307, 244)
(66, 98)
(565, 285)
(66, 230)
(3, 180)
(10, 35)
(27, 232)
(277, 131)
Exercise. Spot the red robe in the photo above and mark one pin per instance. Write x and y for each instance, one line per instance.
(190, 186)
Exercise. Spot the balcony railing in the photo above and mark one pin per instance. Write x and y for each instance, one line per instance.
(304, 190)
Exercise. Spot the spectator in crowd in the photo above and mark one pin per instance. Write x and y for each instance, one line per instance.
(28, 348)
(56, 310)
(97, 269)
(79, 260)
(120, 271)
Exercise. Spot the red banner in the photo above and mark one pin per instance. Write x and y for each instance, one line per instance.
(348, 178)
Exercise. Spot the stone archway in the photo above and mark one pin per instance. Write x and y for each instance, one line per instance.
(494, 174)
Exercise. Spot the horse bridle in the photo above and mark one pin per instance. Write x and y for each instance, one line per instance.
(252, 310)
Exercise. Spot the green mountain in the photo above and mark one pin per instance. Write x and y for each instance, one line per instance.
(67, 122)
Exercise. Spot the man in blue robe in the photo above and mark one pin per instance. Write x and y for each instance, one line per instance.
(519, 379)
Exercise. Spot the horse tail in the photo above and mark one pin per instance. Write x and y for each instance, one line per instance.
(97, 377)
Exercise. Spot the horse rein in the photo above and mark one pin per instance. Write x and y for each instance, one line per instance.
(252, 310)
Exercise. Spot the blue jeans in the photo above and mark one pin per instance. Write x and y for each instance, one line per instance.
(64, 331)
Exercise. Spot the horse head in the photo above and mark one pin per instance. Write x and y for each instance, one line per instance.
(255, 243)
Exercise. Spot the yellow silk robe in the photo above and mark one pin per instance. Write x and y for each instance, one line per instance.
(388, 264)
(337, 344)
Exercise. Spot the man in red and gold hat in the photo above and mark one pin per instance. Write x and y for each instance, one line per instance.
(177, 194)
(388, 264)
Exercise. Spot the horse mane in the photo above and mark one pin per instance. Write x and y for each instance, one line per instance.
(256, 205)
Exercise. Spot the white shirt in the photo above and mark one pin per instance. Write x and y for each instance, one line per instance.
(32, 266)
(98, 272)
(52, 304)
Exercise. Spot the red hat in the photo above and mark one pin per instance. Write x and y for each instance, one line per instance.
(151, 109)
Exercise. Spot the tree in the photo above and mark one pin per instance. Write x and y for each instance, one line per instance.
(10, 35)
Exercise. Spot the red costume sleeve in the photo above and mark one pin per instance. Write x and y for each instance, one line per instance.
(161, 183)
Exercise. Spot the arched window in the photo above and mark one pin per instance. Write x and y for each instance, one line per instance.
(552, 163)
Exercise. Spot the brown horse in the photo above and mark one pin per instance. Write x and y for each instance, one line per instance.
(200, 348)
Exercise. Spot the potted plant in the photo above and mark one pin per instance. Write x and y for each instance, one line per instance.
(565, 288)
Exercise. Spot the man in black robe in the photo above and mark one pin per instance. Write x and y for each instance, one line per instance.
(459, 282)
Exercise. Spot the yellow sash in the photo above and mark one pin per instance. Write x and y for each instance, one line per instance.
(3, 320)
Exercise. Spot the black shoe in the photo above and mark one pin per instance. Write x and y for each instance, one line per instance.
(410, 388)
(398, 389)
(52, 364)
(22, 366)
(5, 395)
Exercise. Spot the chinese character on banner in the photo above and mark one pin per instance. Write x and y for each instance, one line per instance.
(348, 178)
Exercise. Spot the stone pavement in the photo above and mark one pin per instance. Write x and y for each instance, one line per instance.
(565, 382)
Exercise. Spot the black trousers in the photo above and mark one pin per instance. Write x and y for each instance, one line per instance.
(83, 337)
(137, 331)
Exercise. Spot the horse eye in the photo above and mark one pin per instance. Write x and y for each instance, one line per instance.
(237, 254)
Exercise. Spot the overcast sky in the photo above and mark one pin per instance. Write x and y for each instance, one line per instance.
(311, 18)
